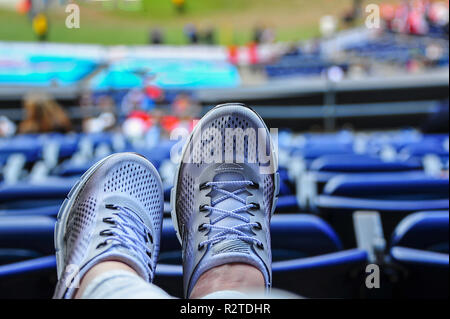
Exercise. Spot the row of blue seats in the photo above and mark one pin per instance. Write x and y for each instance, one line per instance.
(334, 179)
(393, 48)
(323, 157)
(336, 186)
(307, 253)
(408, 144)
(288, 68)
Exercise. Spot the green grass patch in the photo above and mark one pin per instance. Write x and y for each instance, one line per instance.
(127, 23)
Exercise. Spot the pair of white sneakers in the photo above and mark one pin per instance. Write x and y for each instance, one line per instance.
(224, 195)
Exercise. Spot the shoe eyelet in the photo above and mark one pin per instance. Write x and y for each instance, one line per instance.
(149, 254)
(202, 228)
(203, 186)
(256, 206)
(259, 227)
(200, 247)
(105, 232)
(102, 244)
(109, 220)
(202, 208)
(111, 206)
(260, 246)
(254, 186)
(150, 237)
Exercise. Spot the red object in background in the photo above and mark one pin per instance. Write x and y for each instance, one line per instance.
(233, 54)
(415, 23)
(154, 92)
(169, 122)
(253, 53)
(24, 6)
(388, 12)
(146, 118)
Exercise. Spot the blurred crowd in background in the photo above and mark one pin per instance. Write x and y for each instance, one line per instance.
(140, 114)
(413, 37)
(419, 17)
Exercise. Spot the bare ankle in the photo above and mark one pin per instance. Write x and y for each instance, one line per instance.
(98, 270)
(239, 277)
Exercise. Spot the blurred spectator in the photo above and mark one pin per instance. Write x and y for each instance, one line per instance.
(7, 127)
(137, 124)
(268, 36)
(43, 115)
(263, 34)
(253, 54)
(155, 93)
(180, 5)
(156, 36)
(420, 17)
(354, 14)
(136, 100)
(328, 25)
(387, 12)
(209, 36)
(257, 34)
(40, 26)
(233, 54)
(24, 6)
(434, 53)
(184, 106)
(191, 33)
(106, 120)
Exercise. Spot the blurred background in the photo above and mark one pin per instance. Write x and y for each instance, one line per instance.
(357, 89)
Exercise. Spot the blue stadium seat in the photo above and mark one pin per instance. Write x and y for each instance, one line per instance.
(426, 230)
(338, 211)
(420, 246)
(69, 169)
(156, 155)
(67, 143)
(22, 195)
(324, 168)
(362, 163)
(314, 151)
(33, 233)
(322, 177)
(39, 211)
(34, 278)
(412, 186)
(393, 197)
(27, 145)
(333, 275)
(350, 204)
(426, 147)
(288, 204)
